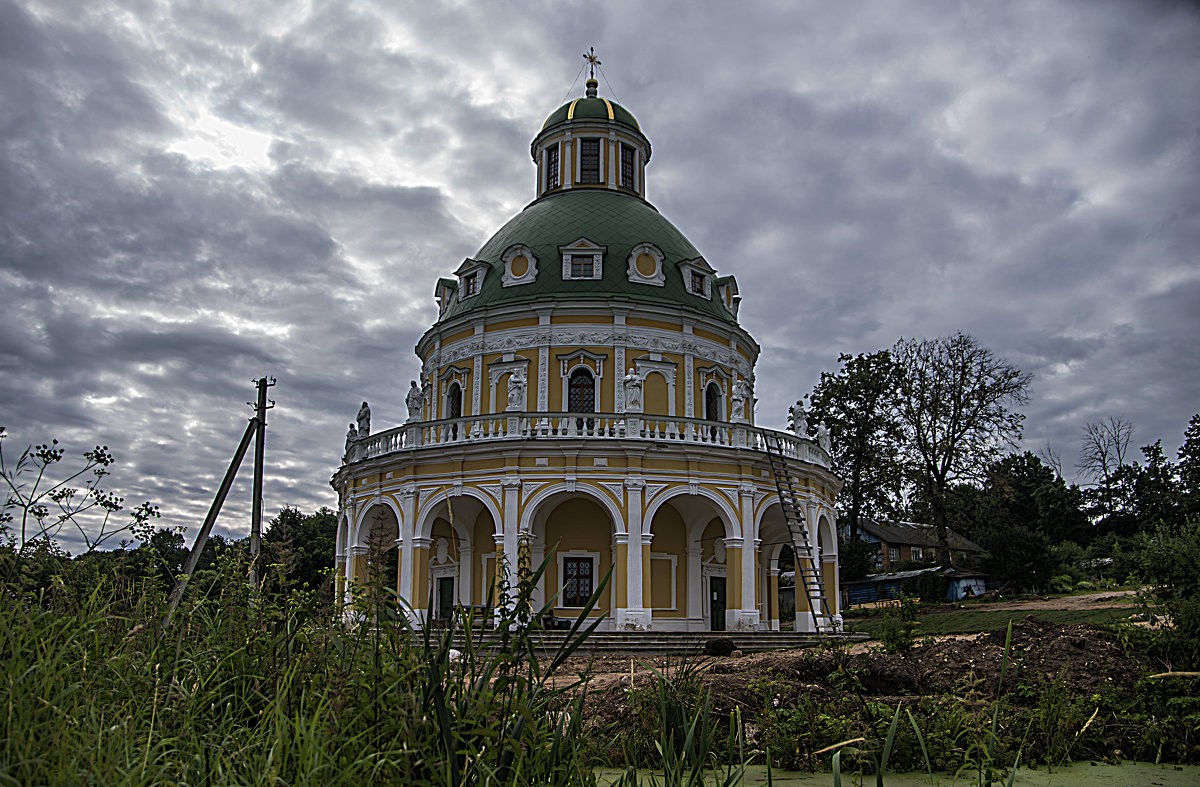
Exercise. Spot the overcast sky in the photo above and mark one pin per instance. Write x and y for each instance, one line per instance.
(196, 194)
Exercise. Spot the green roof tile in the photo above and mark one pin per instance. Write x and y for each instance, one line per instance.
(606, 218)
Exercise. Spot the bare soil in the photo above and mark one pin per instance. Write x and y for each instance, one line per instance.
(1087, 659)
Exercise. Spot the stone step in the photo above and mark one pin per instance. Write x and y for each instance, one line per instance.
(682, 643)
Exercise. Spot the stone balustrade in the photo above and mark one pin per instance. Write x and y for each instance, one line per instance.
(584, 426)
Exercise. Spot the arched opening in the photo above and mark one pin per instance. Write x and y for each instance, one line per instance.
(688, 586)
(581, 395)
(453, 406)
(712, 402)
(712, 407)
(576, 533)
(377, 557)
(581, 392)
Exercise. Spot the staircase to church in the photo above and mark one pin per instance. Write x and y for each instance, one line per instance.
(808, 572)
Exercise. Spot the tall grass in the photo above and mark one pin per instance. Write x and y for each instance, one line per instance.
(274, 692)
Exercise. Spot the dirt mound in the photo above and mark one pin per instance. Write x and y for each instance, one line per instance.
(1085, 659)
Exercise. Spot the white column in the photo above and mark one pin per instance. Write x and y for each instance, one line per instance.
(408, 525)
(507, 538)
(634, 616)
(748, 617)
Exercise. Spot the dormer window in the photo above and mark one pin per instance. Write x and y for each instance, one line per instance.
(582, 260)
(627, 159)
(470, 278)
(589, 161)
(697, 277)
(552, 181)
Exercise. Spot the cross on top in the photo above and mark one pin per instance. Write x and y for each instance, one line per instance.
(593, 61)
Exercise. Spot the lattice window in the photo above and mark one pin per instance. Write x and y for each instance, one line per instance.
(583, 266)
(589, 161)
(577, 581)
(552, 181)
(626, 167)
(581, 392)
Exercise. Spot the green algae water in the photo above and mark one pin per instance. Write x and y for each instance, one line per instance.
(1080, 774)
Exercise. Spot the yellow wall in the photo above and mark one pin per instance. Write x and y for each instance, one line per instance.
(712, 337)
(485, 543)
(654, 394)
(670, 537)
(583, 525)
(527, 322)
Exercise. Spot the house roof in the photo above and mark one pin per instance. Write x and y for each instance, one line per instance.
(914, 534)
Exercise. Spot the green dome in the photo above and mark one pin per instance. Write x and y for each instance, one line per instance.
(606, 218)
(592, 109)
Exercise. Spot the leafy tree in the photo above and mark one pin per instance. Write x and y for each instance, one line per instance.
(859, 406)
(301, 545)
(856, 558)
(1189, 468)
(957, 403)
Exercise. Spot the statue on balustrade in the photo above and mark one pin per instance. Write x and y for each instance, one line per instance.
(516, 391)
(351, 445)
(798, 419)
(364, 421)
(633, 392)
(741, 395)
(415, 401)
(823, 437)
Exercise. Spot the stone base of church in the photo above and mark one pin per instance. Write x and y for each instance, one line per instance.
(632, 620)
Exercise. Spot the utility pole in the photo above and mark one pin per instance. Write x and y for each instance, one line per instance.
(257, 428)
(260, 439)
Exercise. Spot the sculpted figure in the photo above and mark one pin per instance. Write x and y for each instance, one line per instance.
(633, 392)
(364, 421)
(741, 395)
(351, 444)
(415, 401)
(798, 418)
(516, 391)
(823, 437)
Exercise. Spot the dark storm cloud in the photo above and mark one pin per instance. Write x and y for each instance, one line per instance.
(196, 194)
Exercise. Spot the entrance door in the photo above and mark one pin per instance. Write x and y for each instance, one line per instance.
(716, 602)
(445, 597)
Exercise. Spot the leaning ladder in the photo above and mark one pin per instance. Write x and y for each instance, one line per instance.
(808, 574)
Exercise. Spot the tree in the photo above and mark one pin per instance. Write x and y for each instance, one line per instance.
(1102, 452)
(859, 406)
(300, 545)
(1189, 468)
(956, 406)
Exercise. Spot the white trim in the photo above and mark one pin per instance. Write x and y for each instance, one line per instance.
(658, 278)
(667, 369)
(508, 278)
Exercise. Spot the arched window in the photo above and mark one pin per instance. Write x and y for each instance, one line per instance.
(581, 392)
(453, 407)
(712, 402)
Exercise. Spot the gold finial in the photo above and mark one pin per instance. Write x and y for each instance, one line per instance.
(593, 61)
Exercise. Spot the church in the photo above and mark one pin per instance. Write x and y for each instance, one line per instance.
(586, 393)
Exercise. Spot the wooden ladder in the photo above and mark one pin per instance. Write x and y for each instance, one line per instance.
(808, 572)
